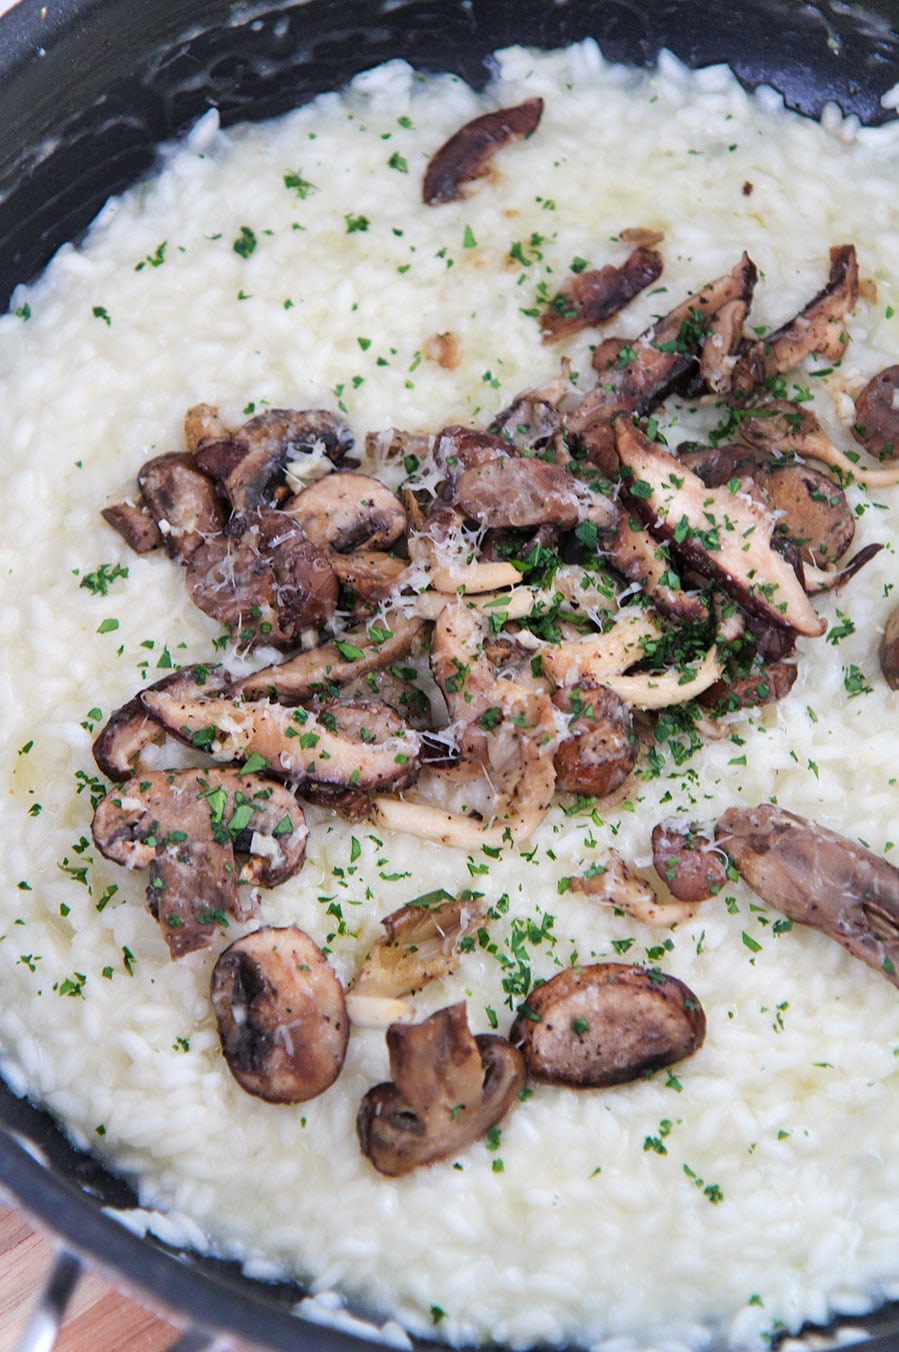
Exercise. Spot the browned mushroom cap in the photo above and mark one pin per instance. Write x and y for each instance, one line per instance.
(467, 153)
(588, 298)
(818, 878)
(130, 729)
(347, 511)
(608, 1023)
(600, 750)
(365, 745)
(420, 944)
(187, 826)
(448, 1089)
(724, 535)
(183, 502)
(877, 415)
(817, 328)
(889, 650)
(281, 1015)
(513, 492)
(689, 860)
(250, 463)
(766, 684)
(367, 647)
(202, 423)
(636, 374)
(460, 448)
(263, 579)
(135, 525)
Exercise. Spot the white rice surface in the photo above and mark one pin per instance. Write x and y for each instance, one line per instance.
(574, 1228)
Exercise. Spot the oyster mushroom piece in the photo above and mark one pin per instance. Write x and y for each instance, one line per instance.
(187, 827)
(818, 328)
(689, 861)
(818, 878)
(263, 579)
(781, 426)
(607, 1024)
(251, 463)
(589, 298)
(183, 502)
(888, 650)
(725, 535)
(876, 424)
(468, 152)
(348, 511)
(367, 647)
(127, 731)
(448, 1088)
(364, 745)
(615, 884)
(420, 944)
(281, 1015)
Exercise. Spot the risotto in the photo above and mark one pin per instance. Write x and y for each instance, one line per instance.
(293, 265)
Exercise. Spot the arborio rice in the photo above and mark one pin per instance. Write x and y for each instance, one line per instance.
(749, 1188)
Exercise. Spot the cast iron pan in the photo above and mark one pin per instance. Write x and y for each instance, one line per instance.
(88, 88)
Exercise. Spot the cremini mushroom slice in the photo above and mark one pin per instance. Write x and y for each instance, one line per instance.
(183, 501)
(606, 1024)
(448, 1089)
(589, 298)
(135, 525)
(725, 535)
(347, 511)
(634, 375)
(888, 650)
(510, 491)
(130, 729)
(187, 826)
(370, 574)
(468, 152)
(600, 749)
(420, 944)
(876, 423)
(281, 1015)
(818, 328)
(263, 580)
(364, 745)
(366, 647)
(818, 878)
(251, 463)
(764, 684)
(689, 861)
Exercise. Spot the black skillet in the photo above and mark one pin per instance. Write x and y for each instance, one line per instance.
(88, 88)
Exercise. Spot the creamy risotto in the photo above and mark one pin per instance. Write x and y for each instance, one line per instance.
(736, 1193)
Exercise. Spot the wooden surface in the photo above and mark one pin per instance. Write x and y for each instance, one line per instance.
(98, 1318)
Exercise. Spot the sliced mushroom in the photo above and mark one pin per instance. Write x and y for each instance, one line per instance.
(590, 297)
(600, 750)
(818, 328)
(766, 684)
(640, 558)
(420, 944)
(783, 426)
(370, 574)
(186, 826)
(365, 745)
(513, 492)
(130, 729)
(877, 415)
(251, 462)
(468, 152)
(606, 1024)
(460, 448)
(448, 1089)
(263, 579)
(281, 1015)
(617, 885)
(367, 647)
(183, 502)
(397, 686)
(818, 878)
(889, 650)
(725, 535)
(348, 511)
(135, 525)
(689, 861)
(202, 423)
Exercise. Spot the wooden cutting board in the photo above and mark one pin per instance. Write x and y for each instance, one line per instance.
(99, 1319)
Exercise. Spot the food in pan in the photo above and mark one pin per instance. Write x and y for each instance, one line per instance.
(448, 847)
